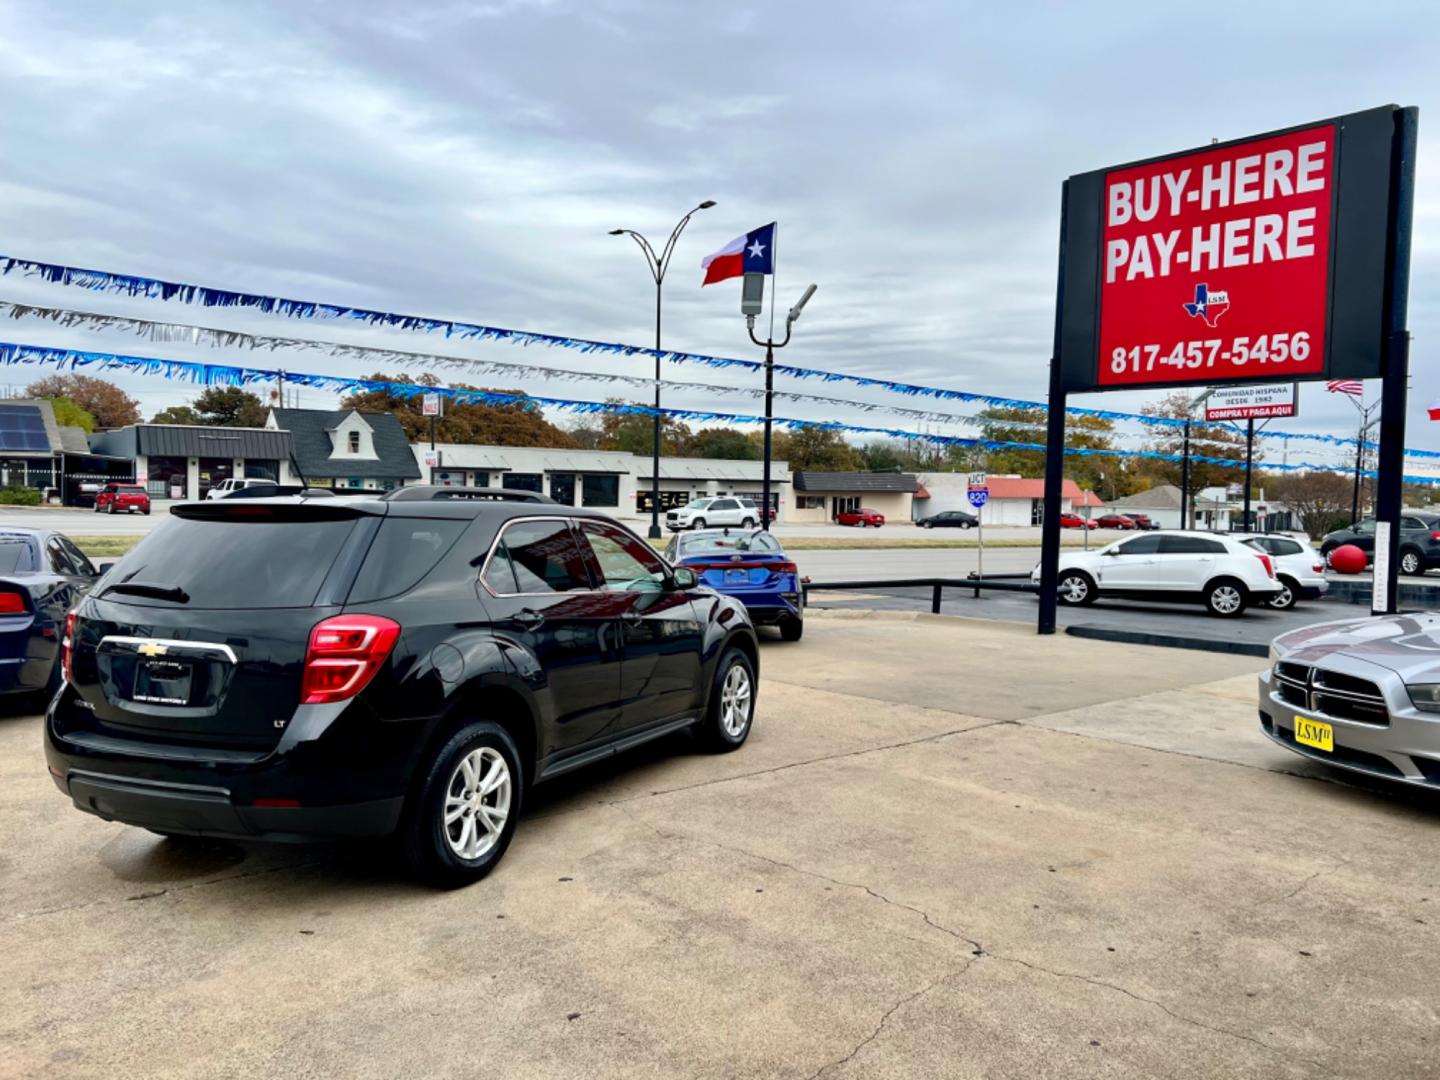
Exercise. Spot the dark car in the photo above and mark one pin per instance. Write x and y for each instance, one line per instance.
(408, 665)
(122, 499)
(949, 519)
(750, 566)
(1419, 541)
(42, 574)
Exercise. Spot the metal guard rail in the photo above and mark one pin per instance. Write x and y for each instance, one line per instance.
(936, 586)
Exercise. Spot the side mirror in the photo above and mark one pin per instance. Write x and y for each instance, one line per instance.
(104, 567)
(684, 578)
(1110, 552)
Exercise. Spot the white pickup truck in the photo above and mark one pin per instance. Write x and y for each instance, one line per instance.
(714, 512)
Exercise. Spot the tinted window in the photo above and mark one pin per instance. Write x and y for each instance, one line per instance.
(1285, 547)
(404, 551)
(235, 562)
(499, 576)
(1411, 523)
(15, 554)
(1142, 545)
(1365, 528)
(1189, 545)
(720, 544)
(724, 504)
(77, 557)
(544, 557)
(59, 558)
(626, 564)
(600, 490)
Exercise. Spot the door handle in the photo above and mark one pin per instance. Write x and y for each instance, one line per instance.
(528, 618)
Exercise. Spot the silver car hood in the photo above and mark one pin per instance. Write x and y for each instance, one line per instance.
(1406, 644)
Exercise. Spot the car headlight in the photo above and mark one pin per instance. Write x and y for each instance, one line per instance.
(1425, 696)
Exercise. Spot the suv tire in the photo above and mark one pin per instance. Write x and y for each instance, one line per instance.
(472, 780)
(1226, 597)
(730, 713)
(1076, 588)
(1411, 562)
(747, 523)
(698, 523)
(1284, 600)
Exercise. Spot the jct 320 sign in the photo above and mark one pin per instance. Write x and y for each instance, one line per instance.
(1260, 259)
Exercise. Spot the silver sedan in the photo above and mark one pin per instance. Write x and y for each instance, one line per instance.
(1362, 694)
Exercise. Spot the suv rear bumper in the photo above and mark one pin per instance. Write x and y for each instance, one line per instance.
(209, 811)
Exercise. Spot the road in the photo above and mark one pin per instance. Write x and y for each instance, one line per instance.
(950, 849)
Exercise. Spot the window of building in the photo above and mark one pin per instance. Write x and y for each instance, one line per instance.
(354, 442)
(809, 502)
(600, 490)
(523, 481)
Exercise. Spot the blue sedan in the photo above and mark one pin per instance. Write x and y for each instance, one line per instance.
(749, 565)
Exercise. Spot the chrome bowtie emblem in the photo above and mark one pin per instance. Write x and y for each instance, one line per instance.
(153, 648)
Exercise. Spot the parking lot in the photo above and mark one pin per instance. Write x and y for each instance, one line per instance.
(950, 848)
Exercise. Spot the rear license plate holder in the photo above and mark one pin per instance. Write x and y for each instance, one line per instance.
(737, 577)
(163, 682)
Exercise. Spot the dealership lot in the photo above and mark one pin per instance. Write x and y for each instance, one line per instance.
(950, 849)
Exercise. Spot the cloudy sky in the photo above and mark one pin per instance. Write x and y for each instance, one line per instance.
(465, 160)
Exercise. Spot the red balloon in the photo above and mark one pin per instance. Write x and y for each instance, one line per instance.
(1348, 559)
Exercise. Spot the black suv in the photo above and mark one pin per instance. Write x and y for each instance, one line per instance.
(1419, 541)
(299, 668)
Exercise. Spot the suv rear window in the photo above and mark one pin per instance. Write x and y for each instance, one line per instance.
(403, 552)
(237, 563)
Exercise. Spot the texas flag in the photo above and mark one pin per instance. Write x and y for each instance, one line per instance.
(1434, 409)
(753, 253)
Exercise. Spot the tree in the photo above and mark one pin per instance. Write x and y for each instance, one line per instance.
(819, 449)
(1321, 500)
(106, 402)
(1027, 425)
(68, 414)
(726, 443)
(885, 456)
(230, 406)
(517, 423)
(635, 433)
(1206, 440)
(177, 414)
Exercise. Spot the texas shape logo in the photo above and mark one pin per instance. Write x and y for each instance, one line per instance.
(1208, 305)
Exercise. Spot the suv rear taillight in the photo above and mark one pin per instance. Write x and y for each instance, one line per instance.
(67, 648)
(1269, 566)
(344, 654)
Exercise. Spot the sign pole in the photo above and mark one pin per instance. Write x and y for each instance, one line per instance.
(1185, 476)
(1396, 352)
(1249, 466)
(1054, 452)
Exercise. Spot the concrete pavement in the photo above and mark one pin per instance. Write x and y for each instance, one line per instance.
(950, 849)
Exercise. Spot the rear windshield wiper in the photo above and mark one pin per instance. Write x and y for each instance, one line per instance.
(156, 592)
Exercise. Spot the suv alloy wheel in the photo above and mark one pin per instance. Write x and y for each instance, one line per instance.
(1410, 562)
(1076, 588)
(732, 703)
(1226, 597)
(460, 819)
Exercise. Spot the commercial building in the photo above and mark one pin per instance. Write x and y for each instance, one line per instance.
(346, 449)
(609, 480)
(184, 461)
(38, 452)
(823, 496)
(1161, 504)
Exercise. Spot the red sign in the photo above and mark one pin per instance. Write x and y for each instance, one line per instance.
(1215, 265)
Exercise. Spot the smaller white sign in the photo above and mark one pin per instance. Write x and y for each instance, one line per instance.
(977, 480)
(430, 405)
(430, 459)
(1381, 567)
(1251, 402)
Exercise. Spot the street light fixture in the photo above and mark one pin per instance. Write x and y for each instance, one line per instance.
(750, 295)
(658, 265)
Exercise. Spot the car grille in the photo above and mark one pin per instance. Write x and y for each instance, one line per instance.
(1332, 693)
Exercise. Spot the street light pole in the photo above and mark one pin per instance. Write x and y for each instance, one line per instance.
(658, 265)
(770, 346)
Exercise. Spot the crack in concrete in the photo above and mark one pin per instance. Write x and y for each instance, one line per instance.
(979, 952)
(1308, 881)
(885, 1019)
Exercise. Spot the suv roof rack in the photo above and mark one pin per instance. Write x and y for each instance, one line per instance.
(436, 493)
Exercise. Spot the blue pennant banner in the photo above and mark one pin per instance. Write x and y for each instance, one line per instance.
(14, 354)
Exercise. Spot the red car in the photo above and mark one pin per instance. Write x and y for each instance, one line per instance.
(1115, 521)
(1075, 521)
(115, 498)
(1142, 521)
(861, 517)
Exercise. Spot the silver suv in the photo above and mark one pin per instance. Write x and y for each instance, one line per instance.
(714, 512)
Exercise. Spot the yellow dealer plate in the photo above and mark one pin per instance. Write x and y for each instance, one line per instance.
(1315, 733)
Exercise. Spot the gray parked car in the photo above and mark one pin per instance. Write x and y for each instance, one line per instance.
(1362, 694)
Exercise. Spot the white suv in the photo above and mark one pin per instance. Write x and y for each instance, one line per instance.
(1220, 571)
(1298, 566)
(233, 484)
(714, 513)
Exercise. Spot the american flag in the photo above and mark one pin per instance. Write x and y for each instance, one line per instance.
(1353, 387)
